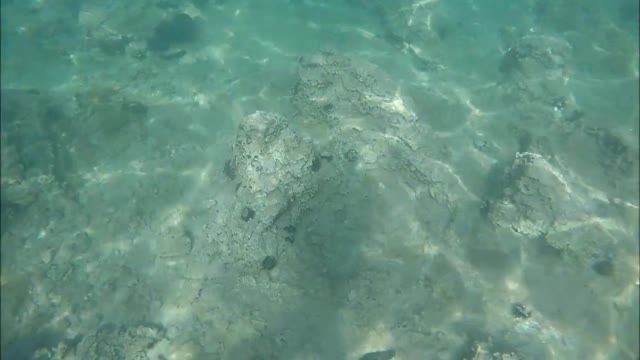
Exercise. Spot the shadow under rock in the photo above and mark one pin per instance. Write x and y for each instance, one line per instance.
(328, 257)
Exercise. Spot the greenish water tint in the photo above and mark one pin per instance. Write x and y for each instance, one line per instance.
(299, 179)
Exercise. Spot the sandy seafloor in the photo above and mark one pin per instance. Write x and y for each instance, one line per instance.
(468, 187)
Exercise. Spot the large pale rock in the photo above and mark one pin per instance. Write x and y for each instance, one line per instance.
(336, 91)
(274, 168)
(540, 200)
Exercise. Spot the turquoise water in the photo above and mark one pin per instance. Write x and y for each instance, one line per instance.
(215, 179)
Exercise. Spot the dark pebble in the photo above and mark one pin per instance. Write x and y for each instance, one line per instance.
(315, 164)
(180, 29)
(520, 311)
(229, 169)
(269, 262)
(247, 214)
(603, 267)
(351, 155)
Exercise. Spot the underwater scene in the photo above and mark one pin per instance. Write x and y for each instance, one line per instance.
(319, 180)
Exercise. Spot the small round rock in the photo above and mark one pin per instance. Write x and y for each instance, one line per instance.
(268, 263)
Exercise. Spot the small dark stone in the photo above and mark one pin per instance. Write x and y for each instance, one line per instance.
(603, 267)
(351, 155)
(180, 29)
(511, 61)
(520, 311)
(268, 263)
(229, 170)
(290, 229)
(247, 214)
(190, 236)
(524, 142)
(290, 239)
(485, 207)
(315, 164)
(612, 143)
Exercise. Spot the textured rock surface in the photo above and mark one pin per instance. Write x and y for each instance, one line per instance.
(15, 190)
(113, 342)
(34, 158)
(274, 170)
(337, 91)
(543, 202)
(536, 196)
(535, 69)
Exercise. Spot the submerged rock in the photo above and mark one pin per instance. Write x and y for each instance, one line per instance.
(179, 30)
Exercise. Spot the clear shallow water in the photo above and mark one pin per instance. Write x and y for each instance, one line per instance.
(444, 179)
